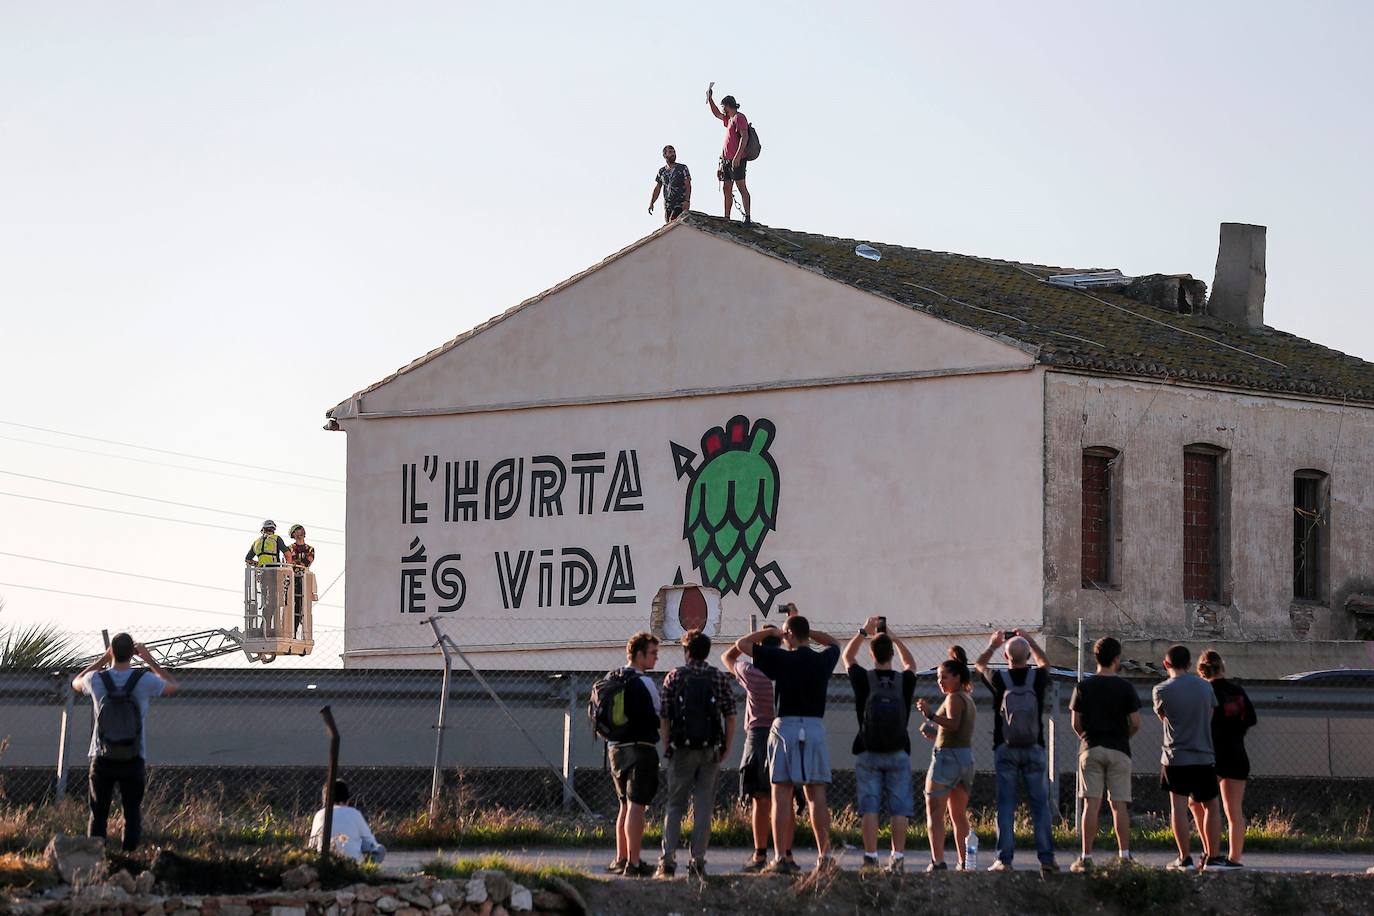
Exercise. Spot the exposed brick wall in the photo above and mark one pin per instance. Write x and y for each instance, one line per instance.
(1096, 563)
(1200, 506)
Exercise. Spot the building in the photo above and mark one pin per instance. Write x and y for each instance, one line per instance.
(957, 442)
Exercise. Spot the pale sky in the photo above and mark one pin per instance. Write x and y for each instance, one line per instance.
(218, 220)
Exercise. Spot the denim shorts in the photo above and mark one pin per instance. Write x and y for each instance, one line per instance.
(949, 767)
(797, 752)
(883, 781)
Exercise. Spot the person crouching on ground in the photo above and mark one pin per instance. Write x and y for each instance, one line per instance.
(949, 780)
(1232, 718)
(634, 761)
(351, 835)
(797, 749)
(882, 748)
(1106, 713)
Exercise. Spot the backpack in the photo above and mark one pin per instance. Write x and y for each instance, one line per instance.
(696, 720)
(885, 715)
(609, 706)
(1020, 710)
(119, 724)
(752, 146)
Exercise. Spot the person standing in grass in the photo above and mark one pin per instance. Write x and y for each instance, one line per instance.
(754, 787)
(1106, 713)
(949, 779)
(634, 756)
(1233, 717)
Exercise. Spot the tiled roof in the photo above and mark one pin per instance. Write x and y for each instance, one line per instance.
(1093, 330)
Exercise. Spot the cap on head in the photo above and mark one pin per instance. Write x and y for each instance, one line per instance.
(295, 528)
(269, 525)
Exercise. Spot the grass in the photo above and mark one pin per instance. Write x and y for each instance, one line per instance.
(464, 868)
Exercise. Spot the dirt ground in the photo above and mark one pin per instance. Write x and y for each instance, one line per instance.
(1132, 891)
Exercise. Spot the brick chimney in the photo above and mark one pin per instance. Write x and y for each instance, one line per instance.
(1238, 288)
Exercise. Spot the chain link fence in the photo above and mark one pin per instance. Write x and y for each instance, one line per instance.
(245, 734)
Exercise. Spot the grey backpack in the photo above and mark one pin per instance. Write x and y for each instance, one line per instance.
(1020, 710)
(119, 724)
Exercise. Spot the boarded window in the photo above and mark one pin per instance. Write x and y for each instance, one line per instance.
(1309, 535)
(1201, 514)
(1099, 518)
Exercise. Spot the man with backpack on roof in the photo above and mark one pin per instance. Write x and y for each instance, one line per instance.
(624, 710)
(741, 146)
(119, 695)
(698, 722)
(1018, 741)
(882, 748)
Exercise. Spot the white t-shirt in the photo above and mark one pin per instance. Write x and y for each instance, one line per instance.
(148, 686)
(351, 834)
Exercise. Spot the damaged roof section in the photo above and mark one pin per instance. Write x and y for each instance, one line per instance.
(1099, 321)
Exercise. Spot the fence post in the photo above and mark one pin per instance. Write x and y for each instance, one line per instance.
(1078, 802)
(569, 717)
(69, 698)
(327, 836)
(437, 777)
(1050, 736)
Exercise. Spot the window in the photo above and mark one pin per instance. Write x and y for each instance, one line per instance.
(1310, 528)
(1100, 516)
(1201, 524)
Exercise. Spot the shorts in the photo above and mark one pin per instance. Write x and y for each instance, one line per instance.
(798, 752)
(949, 767)
(1233, 764)
(728, 171)
(671, 212)
(883, 782)
(1104, 770)
(1198, 782)
(634, 771)
(753, 765)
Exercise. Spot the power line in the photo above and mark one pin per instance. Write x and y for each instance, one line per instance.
(179, 467)
(159, 518)
(172, 607)
(153, 499)
(120, 572)
(163, 451)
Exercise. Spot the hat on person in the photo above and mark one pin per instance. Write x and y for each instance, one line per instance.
(269, 525)
(295, 528)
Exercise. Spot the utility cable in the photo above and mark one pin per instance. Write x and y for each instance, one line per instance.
(179, 467)
(163, 451)
(132, 575)
(154, 499)
(171, 607)
(160, 518)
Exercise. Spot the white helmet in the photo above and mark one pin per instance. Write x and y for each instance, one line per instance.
(269, 525)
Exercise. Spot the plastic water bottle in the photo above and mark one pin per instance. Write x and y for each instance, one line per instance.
(971, 847)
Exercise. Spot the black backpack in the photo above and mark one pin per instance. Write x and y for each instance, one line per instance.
(752, 146)
(885, 714)
(608, 708)
(119, 724)
(696, 721)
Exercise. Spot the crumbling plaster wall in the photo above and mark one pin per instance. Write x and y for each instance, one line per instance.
(1266, 440)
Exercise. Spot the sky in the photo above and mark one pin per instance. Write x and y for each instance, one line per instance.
(219, 220)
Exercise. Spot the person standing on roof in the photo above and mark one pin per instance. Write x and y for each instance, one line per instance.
(732, 161)
(268, 548)
(674, 181)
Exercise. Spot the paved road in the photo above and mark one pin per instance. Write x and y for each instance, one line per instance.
(728, 860)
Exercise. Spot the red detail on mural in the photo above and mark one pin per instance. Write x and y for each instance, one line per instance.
(713, 442)
(691, 610)
(739, 430)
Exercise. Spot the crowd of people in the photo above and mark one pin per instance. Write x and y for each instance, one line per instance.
(785, 764)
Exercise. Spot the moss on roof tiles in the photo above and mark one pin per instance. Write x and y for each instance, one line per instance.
(1098, 331)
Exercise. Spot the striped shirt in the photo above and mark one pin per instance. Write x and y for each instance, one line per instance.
(758, 693)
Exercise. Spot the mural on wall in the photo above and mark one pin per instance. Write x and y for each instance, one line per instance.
(731, 504)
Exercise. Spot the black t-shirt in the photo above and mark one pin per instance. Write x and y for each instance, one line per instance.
(1233, 716)
(1105, 704)
(858, 679)
(1018, 679)
(799, 677)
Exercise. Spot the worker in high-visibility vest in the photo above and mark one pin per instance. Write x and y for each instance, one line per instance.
(270, 547)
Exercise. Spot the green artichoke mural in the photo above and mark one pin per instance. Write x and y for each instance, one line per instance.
(731, 505)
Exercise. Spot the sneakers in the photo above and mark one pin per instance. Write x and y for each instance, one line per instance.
(999, 865)
(696, 868)
(1182, 863)
(1082, 865)
(783, 866)
(1049, 868)
(665, 870)
(896, 866)
(1221, 863)
(937, 866)
(616, 867)
(642, 870)
(870, 865)
(755, 865)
